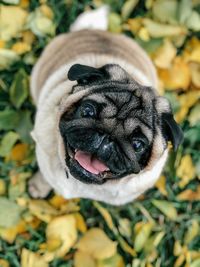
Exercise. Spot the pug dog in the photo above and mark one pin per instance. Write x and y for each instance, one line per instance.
(101, 129)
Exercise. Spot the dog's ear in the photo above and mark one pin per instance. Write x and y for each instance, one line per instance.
(171, 130)
(84, 74)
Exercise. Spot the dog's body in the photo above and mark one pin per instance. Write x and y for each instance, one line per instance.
(55, 95)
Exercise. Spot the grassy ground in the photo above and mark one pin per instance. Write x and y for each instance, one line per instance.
(161, 228)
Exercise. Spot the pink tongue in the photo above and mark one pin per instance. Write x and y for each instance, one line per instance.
(89, 163)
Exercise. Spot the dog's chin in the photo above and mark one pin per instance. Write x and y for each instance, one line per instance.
(85, 176)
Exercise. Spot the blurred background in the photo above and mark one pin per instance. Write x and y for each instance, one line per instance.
(161, 228)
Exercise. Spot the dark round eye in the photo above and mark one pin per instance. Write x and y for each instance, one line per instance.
(88, 111)
(138, 145)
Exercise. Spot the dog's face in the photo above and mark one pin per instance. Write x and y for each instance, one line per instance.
(110, 132)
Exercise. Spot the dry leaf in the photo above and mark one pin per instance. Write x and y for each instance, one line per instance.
(114, 23)
(96, 243)
(186, 102)
(9, 213)
(189, 195)
(177, 77)
(126, 247)
(40, 23)
(4, 263)
(84, 259)
(12, 21)
(195, 263)
(114, 261)
(157, 30)
(19, 152)
(63, 229)
(106, 215)
(135, 25)
(21, 48)
(164, 56)
(161, 185)
(192, 50)
(194, 116)
(42, 210)
(2, 187)
(179, 261)
(7, 58)
(166, 207)
(142, 236)
(192, 232)
(177, 248)
(80, 222)
(195, 73)
(9, 234)
(165, 11)
(127, 8)
(125, 227)
(32, 259)
(57, 201)
(185, 171)
(47, 11)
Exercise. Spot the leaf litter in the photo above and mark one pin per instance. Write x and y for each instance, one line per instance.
(161, 228)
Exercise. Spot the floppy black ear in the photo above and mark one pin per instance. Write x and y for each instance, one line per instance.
(84, 74)
(171, 130)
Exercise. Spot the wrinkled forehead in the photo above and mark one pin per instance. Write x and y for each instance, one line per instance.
(123, 111)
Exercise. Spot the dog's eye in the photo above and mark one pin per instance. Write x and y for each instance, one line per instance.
(88, 111)
(138, 145)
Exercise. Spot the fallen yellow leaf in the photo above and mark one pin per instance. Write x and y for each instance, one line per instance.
(42, 210)
(192, 50)
(2, 43)
(135, 25)
(57, 201)
(176, 77)
(61, 235)
(19, 152)
(7, 58)
(126, 247)
(47, 11)
(192, 232)
(164, 56)
(28, 37)
(114, 261)
(24, 3)
(186, 101)
(157, 30)
(190, 195)
(125, 227)
(21, 48)
(2, 187)
(12, 21)
(96, 243)
(80, 222)
(185, 171)
(32, 259)
(195, 73)
(177, 248)
(166, 207)
(84, 259)
(4, 263)
(142, 236)
(179, 261)
(9, 234)
(161, 185)
(106, 215)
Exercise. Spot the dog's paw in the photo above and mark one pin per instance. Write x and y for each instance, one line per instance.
(38, 187)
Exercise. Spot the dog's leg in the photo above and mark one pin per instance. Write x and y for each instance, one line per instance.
(38, 187)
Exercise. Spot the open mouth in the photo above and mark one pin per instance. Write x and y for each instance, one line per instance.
(89, 163)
